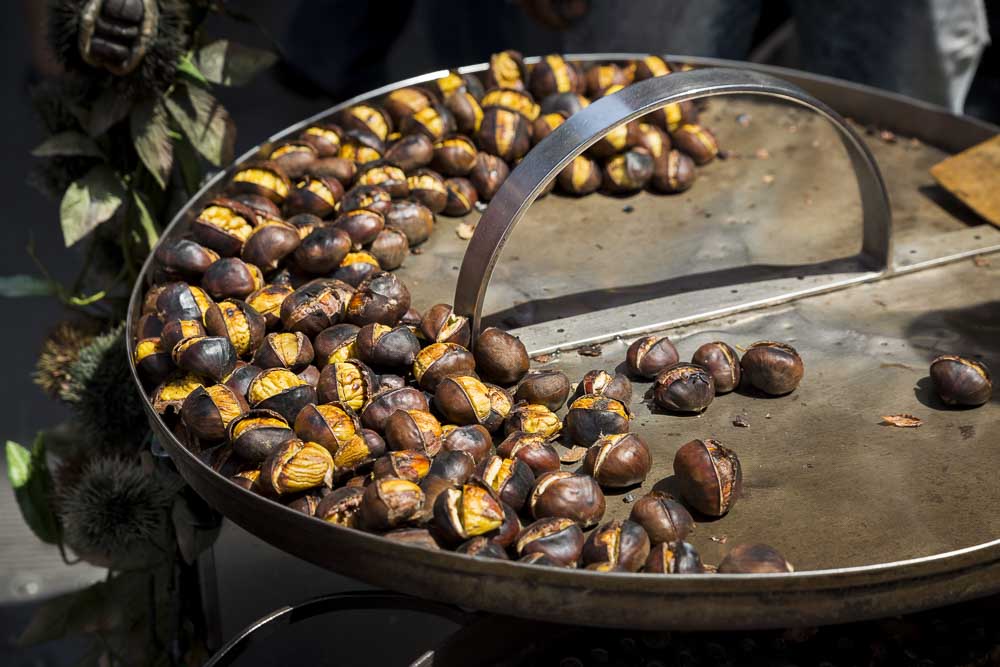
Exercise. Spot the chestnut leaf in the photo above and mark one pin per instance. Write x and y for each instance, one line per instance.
(205, 122)
(67, 144)
(150, 128)
(230, 64)
(29, 476)
(90, 201)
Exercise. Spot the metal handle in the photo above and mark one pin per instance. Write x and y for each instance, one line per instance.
(586, 127)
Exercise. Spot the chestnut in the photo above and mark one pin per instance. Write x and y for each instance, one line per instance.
(362, 225)
(256, 433)
(206, 356)
(649, 67)
(754, 559)
(466, 111)
(295, 466)
(377, 411)
(269, 243)
(342, 169)
(512, 100)
(621, 543)
(390, 248)
(532, 418)
(773, 368)
(569, 495)
(602, 383)
(674, 558)
(389, 503)
(654, 140)
(592, 416)
(305, 502)
(580, 177)
(709, 476)
(380, 298)
(184, 258)
(618, 460)
(615, 141)
(413, 429)
(467, 511)
(628, 172)
(325, 138)
(512, 479)
(684, 388)
(340, 507)
(356, 267)
(696, 141)
(413, 219)
(473, 439)
(674, 173)
(663, 518)
(558, 540)
(463, 400)
(318, 195)
(722, 363)
(384, 175)
(553, 75)
(294, 157)
(313, 307)
(960, 381)
(358, 454)
(223, 225)
(673, 116)
(440, 360)
(348, 382)
(433, 486)
(231, 277)
(408, 464)
(261, 178)
(361, 147)
(389, 381)
(410, 152)
(310, 374)
(455, 155)
(336, 343)
(600, 77)
(532, 448)
(500, 357)
(367, 197)
(149, 326)
(246, 479)
(462, 197)
(284, 350)
(455, 466)
(501, 405)
(564, 103)
(239, 322)
(240, 378)
(428, 188)
(175, 331)
(405, 102)
(441, 324)
(153, 361)
(543, 126)
(649, 355)
(322, 251)
(256, 205)
(366, 118)
(548, 387)
(506, 70)
(169, 395)
(280, 390)
(482, 547)
(207, 411)
(434, 121)
(488, 174)
(504, 133)
(268, 300)
(328, 424)
(387, 347)
(180, 301)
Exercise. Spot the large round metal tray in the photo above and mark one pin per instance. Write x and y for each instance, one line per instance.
(877, 520)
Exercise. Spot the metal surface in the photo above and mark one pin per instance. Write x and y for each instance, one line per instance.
(586, 127)
(877, 520)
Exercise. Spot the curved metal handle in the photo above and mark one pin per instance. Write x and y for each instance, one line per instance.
(586, 127)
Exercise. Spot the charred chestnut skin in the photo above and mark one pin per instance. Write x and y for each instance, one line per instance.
(389, 503)
(377, 411)
(207, 411)
(674, 172)
(408, 464)
(628, 172)
(500, 357)
(580, 177)
(570, 495)
(533, 449)
(184, 258)
(709, 476)
(367, 197)
(684, 388)
(348, 382)
(206, 356)
(175, 331)
(592, 416)
(512, 479)
(472, 439)
(410, 152)
(313, 307)
(619, 460)
(649, 355)
(284, 350)
(961, 381)
(467, 511)
(441, 324)
(773, 368)
(504, 133)
(381, 298)
(440, 360)
(723, 364)
(239, 322)
(454, 466)
(602, 383)
(413, 219)
(754, 559)
(329, 424)
(462, 197)
(356, 267)
(558, 539)
(414, 430)
(322, 250)
(390, 248)
(621, 543)
(231, 277)
(548, 387)
(482, 547)
(663, 518)
(387, 348)
(674, 558)
(488, 174)
(696, 141)
(340, 506)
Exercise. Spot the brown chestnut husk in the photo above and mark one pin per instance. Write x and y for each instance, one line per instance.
(184, 258)
(674, 558)
(441, 324)
(409, 464)
(553, 74)
(281, 390)
(232, 278)
(387, 348)
(620, 543)
(410, 152)
(377, 411)
(175, 331)
(206, 356)
(649, 67)
(366, 197)
(675, 172)
(580, 177)
(284, 350)
(754, 559)
(663, 518)
(472, 439)
(722, 363)
(315, 306)
(390, 248)
(482, 547)
(240, 378)
(405, 102)
(362, 225)
(547, 387)
(440, 360)
(600, 77)
(463, 400)
(455, 155)
(322, 250)
(709, 476)
(511, 478)
(619, 460)
(266, 179)
(381, 298)
(356, 267)
(180, 301)
(434, 121)
(208, 411)
(268, 300)
(648, 356)
(961, 381)
(269, 243)
(296, 466)
(466, 111)
(153, 361)
(340, 506)
(592, 416)
(773, 368)
(295, 157)
(389, 503)
(696, 141)
(256, 433)
(570, 495)
(325, 138)
(358, 454)
(684, 388)
(504, 133)
(532, 448)
(558, 540)
(602, 383)
(413, 429)
(500, 357)
(464, 512)
(169, 395)
(629, 171)
(384, 175)
(328, 424)
(336, 343)
(366, 118)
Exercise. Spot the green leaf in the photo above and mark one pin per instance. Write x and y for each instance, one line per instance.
(146, 219)
(32, 483)
(205, 122)
(191, 166)
(231, 64)
(89, 202)
(87, 300)
(21, 285)
(108, 109)
(188, 67)
(67, 143)
(149, 124)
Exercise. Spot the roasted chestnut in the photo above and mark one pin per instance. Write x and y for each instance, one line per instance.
(472, 439)
(467, 511)
(463, 400)
(602, 383)
(482, 547)
(384, 175)
(240, 378)
(362, 225)
(296, 466)
(600, 77)
(356, 267)
(316, 195)
(722, 363)
(390, 248)
(361, 147)
(513, 100)
(440, 360)
(512, 479)
(381, 298)
(408, 464)
(366, 118)
(533, 418)
(663, 518)
(552, 74)
(410, 152)
(258, 206)
(336, 343)
(618, 460)
(261, 178)
(543, 126)
(255, 434)
(294, 157)
(621, 543)
(466, 111)
(185, 258)
(592, 416)
(674, 173)
(413, 219)
(754, 559)
(532, 448)
(170, 393)
(322, 250)
(650, 66)
(348, 382)
(239, 322)
(368, 197)
(580, 177)
(564, 103)
(269, 243)
(377, 411)
(696, 141)
(674, 558)
(455, 155)
(506, 70)
(960, 381)
(547, 387)
(413, 429)
(558, 540)
(434, 121)
(488, 174)
(709, 476)
(342, 169)
(650, 355)
(341, 506)
(504, 133)
(246, 479)
(773, 368)
(389, 503)
(149, 326)
(268, 300)
(324, 138)
(310, 374)
(153, 361)
(462, 196)
(387, 347)
(231, 277)
(615, 141)
(673, 116)
(441, 324)
(357, 454)
(684, 388)
(207, 411)
(500, 357)
(628, 171)
(569, 495)
(405, 102)
(280, 390)
(180, 301)
(284, 350)
(206, 356)
(313, 307)
(428, 188)
(175, 331)
(327, 424)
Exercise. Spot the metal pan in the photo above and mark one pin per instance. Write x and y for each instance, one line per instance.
(878, 521)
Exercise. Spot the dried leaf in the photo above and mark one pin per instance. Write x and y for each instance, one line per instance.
(151, 136)
(590, 350)
(721, 539)
(66, 144)
(465, 230)
(981, 261)
(231, 64)
(762, 154)
(741, 422)
(205, 122)
(89, 202)
(574, 454)
(902, 421)
(542, 358)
